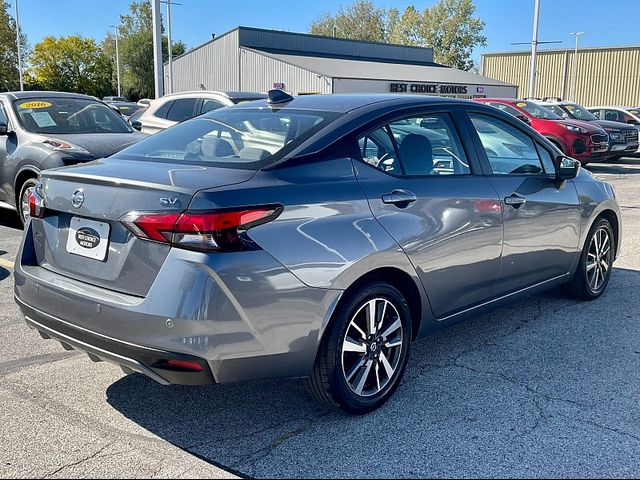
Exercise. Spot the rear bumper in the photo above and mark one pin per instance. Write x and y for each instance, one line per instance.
(131, 357)
(243, 315)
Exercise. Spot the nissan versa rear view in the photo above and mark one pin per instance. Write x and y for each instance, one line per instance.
(311, 237)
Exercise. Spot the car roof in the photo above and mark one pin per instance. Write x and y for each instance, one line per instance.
(232, 95)
(44, 94)
(343, 103)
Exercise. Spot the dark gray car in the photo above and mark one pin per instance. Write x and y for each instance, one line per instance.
(312, 237)
(40, 130)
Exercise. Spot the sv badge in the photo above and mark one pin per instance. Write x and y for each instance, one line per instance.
(170, 202)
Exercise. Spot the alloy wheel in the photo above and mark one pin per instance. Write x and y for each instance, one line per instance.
(372, 347)
(598, 259)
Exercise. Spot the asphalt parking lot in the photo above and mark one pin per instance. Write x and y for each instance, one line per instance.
(545, 387)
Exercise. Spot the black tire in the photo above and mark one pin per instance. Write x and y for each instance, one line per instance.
(558, 146)
(581, 285)
(328, 382)
(28, 183)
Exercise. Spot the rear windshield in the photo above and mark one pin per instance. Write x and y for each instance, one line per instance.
(537, 111)
(68, 116)
(232, 137)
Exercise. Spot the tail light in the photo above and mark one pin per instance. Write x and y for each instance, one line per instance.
(202, 231)
(36, 204)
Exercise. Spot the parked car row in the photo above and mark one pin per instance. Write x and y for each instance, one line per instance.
(573, 129)
(316, 236)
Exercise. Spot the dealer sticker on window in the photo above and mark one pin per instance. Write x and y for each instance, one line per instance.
(27, 105)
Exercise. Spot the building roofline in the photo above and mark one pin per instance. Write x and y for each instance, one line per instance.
(556, 50)
(266, 30)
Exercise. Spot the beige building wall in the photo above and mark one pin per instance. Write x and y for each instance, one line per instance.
(606, 76)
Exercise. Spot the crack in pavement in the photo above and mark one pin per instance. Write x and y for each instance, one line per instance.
(79, 462)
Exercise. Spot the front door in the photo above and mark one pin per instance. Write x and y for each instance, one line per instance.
(541, 217)
(421, 188)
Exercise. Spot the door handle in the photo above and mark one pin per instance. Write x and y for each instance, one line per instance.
(515, 201)
(400, 198)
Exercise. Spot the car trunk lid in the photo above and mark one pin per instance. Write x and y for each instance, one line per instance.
(84, 204)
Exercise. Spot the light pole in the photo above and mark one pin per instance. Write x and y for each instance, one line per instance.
(117, 29)
(158, 75)
(575, 65)
(534, 49)
(19, 46)
(170, 63)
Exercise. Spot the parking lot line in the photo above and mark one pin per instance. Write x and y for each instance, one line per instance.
(6, 263)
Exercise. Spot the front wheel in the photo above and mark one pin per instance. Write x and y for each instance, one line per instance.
(23, 200)
(364, 353)
(596, 263)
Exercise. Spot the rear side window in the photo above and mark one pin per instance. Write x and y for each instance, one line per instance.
(163, 110)
(416, 146)
(509, 150)
(3, 116)
(182, 109)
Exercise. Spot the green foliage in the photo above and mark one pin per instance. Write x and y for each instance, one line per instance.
(360, 21)
(449, 27)
(70, 64)
(9, 79)
(136, 51)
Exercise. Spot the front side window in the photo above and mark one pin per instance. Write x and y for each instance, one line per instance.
(68, 116)
(416, 146)
(182, 109)
(3, 116)
(163, 110)
(235, 138)
(510, 151)
(614, 116)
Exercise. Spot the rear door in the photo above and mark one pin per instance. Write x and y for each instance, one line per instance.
(541, 217)
(421, 185)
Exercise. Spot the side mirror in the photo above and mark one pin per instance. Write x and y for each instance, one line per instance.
(633, 122)
(523, 118)
(3, 128)
(137, 125)
(568, 168)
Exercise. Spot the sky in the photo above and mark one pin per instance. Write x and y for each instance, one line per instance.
(612, 22)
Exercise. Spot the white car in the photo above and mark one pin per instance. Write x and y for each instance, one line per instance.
(166, 111)
(628, 115)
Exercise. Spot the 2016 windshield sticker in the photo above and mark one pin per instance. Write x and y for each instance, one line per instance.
(521, 104)
(38, 104)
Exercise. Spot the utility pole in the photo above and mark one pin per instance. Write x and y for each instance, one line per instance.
(575, 66)
(19, 46)
(158, 75)
(534, 49)
(117, 29)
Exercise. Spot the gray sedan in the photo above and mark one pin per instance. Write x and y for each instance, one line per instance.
(316, 237)
(40, 130)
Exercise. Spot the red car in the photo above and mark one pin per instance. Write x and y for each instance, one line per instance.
(583, 141)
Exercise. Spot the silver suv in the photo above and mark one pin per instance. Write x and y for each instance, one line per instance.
(171, 109)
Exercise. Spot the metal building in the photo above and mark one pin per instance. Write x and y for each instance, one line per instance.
(605, 75)
(252, 59)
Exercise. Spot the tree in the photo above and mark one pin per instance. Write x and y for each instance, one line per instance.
(360, 21)
(136, 50)
(9, 79)
(449, 27)
(70, 64)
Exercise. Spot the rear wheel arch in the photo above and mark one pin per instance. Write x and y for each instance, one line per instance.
(395, 277)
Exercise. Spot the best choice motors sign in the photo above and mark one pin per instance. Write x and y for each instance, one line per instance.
(428, 88)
